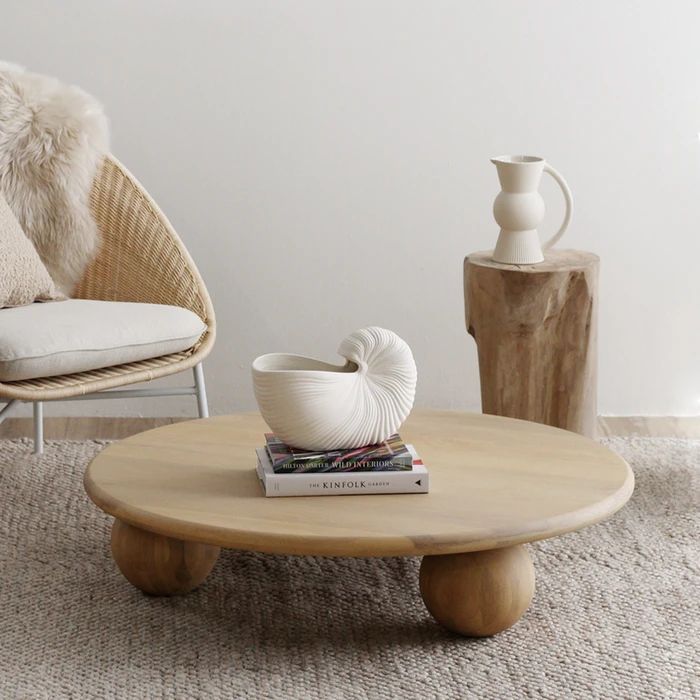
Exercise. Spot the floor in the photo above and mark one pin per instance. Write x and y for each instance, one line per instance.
(615, 612)
(93, 428)
(117, 428)
(650, 426)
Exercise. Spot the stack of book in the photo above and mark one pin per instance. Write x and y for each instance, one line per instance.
(391, 467)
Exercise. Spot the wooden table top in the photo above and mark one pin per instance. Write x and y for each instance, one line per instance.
(493, 482)
(555, 260)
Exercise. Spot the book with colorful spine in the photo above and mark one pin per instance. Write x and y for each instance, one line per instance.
(413, 481)
(390, 455)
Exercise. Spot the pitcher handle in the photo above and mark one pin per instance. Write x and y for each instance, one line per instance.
(569, 206)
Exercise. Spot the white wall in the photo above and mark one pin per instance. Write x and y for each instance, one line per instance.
(327, 165)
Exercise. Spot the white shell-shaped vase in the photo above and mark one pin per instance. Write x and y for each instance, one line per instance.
(315, 405)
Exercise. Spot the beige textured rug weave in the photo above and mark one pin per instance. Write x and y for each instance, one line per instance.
(616, 613)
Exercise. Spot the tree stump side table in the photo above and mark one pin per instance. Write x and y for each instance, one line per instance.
(535, 328)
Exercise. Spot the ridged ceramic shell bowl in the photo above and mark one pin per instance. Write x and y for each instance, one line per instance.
(315, 405)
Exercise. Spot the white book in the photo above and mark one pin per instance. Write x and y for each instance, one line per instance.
(340, 483)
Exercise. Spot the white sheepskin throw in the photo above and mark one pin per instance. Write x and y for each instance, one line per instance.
(52, 140)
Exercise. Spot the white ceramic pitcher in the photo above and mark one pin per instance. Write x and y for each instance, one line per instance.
(519, 209)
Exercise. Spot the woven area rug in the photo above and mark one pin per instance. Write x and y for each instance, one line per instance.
(616, 613)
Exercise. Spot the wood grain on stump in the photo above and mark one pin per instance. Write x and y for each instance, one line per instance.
(535, 328)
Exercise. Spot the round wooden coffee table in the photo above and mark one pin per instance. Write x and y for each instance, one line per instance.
(181, 492)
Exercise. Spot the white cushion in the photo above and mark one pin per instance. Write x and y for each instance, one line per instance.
(44, 340)
(23, 277)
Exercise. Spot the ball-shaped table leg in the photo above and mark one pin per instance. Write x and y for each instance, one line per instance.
(160, 565)
(478, 594)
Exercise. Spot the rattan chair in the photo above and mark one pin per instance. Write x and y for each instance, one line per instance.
(141, 259)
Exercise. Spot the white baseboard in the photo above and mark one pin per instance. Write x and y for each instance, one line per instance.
(104, 428)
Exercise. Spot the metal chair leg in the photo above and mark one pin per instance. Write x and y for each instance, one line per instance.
(201, 389)
(38, 427)
(8, 409)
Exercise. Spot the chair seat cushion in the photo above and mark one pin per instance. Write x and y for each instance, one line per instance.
(76, 335)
